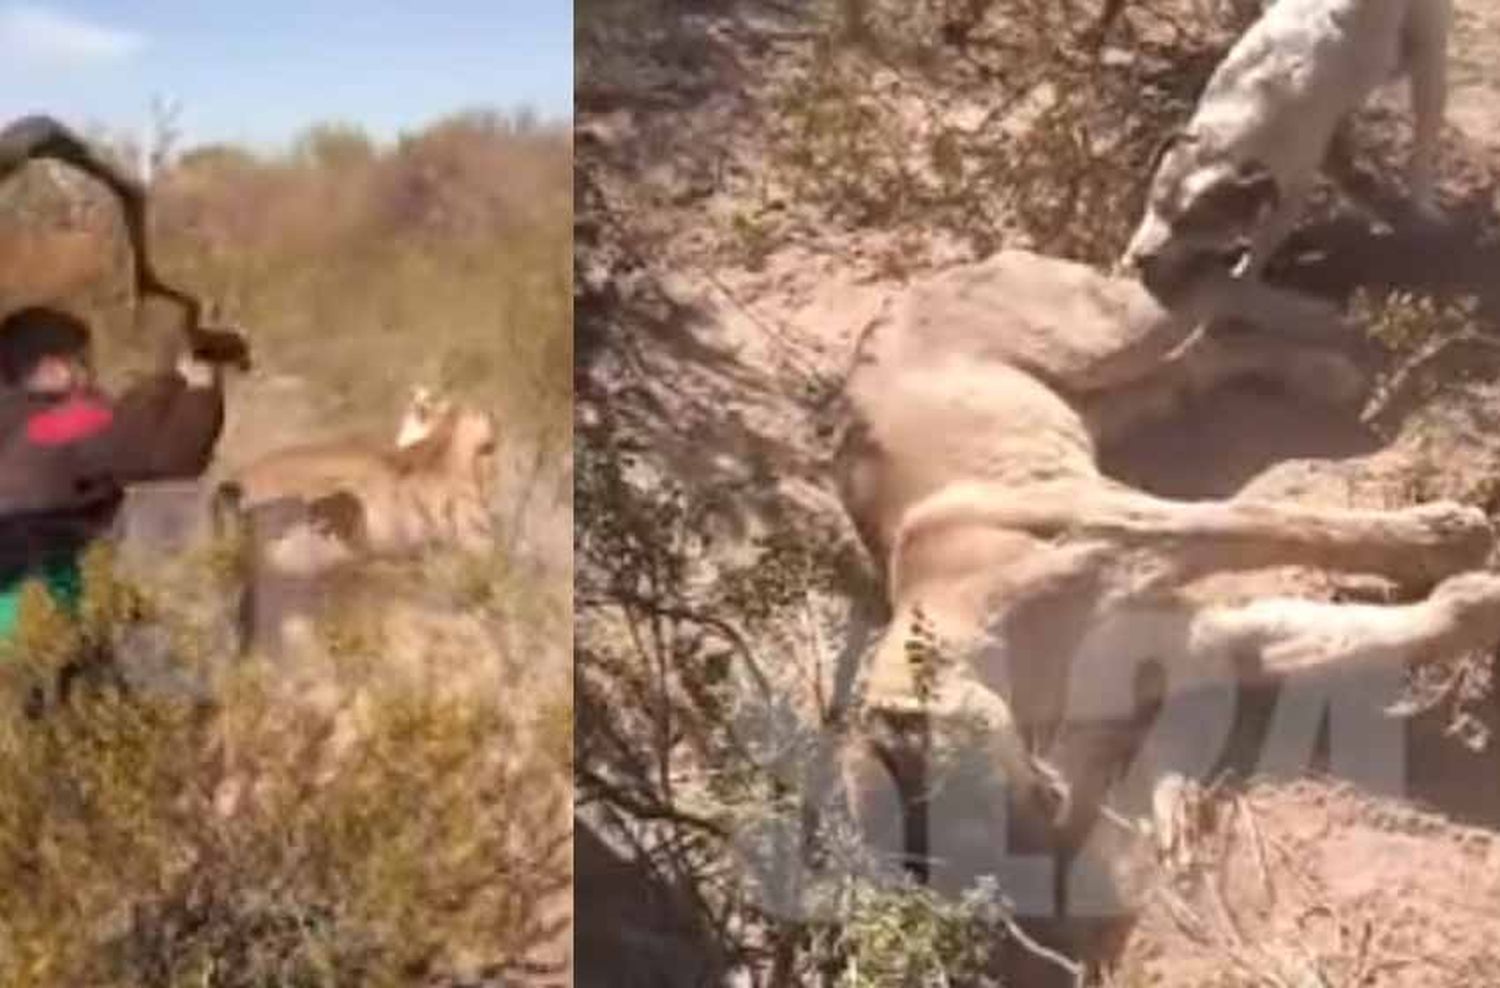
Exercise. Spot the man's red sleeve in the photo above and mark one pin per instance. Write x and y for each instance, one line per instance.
(159, 430)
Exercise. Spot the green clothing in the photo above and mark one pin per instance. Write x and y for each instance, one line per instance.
(63, 579)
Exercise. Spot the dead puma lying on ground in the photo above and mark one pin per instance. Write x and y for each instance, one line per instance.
(970, 471)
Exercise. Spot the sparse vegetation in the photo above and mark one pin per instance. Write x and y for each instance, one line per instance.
(717, 656)
(399, 813)
(696, 713)
(704, 631)
(221, 829)
(1018, 133)
(445, 256)
(1414, 331)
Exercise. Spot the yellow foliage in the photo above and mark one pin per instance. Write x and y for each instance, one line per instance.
(396, 831)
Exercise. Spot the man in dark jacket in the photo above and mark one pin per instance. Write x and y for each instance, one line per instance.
(67, 450)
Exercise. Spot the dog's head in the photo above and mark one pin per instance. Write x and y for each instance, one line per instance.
(1200, 213)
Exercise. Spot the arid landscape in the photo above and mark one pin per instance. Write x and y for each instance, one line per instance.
(756, 182)
(390, 804)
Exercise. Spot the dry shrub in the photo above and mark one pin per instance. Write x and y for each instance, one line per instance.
(446, 256)
(706, 672)
(219, 823)
(912, 936)
(710, 676)
(357, 266)
(706, 693)
(1016, 133)
(1415, 331)
(347, 826)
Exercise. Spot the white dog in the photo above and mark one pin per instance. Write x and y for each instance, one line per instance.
(1236, 177)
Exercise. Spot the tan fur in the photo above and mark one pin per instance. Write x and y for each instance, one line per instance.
(970, 471)
(424, 409)
(435, 490)
(310, 511)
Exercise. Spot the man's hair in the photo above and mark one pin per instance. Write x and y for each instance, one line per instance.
(28, 335)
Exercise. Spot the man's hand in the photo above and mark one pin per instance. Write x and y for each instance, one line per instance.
(219, 347)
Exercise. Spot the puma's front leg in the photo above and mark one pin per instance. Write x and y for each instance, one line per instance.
(1270, 309)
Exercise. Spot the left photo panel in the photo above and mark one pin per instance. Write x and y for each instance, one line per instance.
(286, 357)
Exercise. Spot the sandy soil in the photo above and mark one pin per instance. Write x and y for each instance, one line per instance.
(1307, 881)
(1311, 883)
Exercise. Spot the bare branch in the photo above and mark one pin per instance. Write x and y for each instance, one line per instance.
(642, 807)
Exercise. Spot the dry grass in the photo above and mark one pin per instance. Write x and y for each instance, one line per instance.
(350, 825)
(361, 267)
(991, 123)
(399, 813)
(750, 135)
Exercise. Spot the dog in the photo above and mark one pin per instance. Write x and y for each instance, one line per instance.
(1230, 186)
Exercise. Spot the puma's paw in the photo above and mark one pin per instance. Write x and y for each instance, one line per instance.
(1445, 538)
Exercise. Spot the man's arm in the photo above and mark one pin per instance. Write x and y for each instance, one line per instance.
(163, 428)
(79, 453)
(86, 446)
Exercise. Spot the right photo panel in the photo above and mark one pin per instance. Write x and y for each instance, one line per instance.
(1035, 478)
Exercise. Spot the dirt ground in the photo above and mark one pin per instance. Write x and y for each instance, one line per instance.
(1313, 883)
(754, 300)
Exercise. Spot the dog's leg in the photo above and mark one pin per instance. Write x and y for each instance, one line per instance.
(1192, 538)
(1427, 61)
